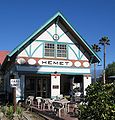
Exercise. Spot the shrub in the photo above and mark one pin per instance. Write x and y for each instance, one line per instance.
(10, 112)
(99, 102)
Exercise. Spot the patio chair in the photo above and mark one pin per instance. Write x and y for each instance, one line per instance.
(48, 104)
(58, 107)
(38, 102)
(29, 100)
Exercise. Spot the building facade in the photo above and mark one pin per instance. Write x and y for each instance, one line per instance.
(52, 61)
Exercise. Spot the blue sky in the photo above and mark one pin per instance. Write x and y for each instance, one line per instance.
(92, 19)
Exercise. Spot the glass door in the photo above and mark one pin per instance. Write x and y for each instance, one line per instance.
(38, 86)
(43, 87)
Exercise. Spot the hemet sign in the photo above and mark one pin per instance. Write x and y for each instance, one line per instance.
(55, 62)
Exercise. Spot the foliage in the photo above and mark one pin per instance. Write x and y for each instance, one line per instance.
(3, 109)
(99, 102)
(110, 70)
(8, 111)
(19, 112)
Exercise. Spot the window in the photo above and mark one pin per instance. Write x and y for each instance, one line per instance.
(55, 50)
(61, 50)
(49, 50)
(30, 84)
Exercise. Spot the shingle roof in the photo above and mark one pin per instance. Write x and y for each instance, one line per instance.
(3, 54)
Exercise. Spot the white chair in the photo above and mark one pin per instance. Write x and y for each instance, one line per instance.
(60, 96)
(29, 100)
(48, 103)
(39, 101)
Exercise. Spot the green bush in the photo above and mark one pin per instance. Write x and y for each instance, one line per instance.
(10, 112)
(99, 102)
(19, 112)
(4, 109)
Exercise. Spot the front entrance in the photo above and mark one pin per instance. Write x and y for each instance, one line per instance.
(39, 86)
(71, 83)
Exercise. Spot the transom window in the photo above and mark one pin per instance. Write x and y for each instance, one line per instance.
(55, 50)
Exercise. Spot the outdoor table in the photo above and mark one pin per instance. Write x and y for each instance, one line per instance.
(70, 107)
(61, 104)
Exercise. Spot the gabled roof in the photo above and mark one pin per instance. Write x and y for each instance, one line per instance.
(38, 32)
(3, 55)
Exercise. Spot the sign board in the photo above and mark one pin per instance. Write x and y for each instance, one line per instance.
(66, 63)
(14, 82)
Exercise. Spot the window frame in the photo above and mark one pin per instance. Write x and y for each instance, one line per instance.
(49, 50)
(61, 53)
(55, 50)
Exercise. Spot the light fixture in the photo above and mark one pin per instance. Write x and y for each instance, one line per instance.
(55, 73)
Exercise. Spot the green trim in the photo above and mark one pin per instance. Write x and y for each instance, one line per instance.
(55, 28)
(61, 35)
(43, 50)
(79, 54)
(36, 49)
(78, 47)
(66, 67)
(67, 51)
(30, 53)
(30, 50)
(27, 53)
(82, 55)
(49, 34)
(74, 52)
(66, 73)
(55, 51)
(54, 41)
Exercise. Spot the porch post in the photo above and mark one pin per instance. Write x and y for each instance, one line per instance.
(55, 85)
(86, 82)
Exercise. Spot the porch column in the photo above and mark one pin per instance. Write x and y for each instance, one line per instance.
(20, 88)
(86, 82)
(55, 85)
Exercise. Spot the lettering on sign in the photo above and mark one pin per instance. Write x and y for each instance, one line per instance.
(55, 62)
(55, 86)
(14, 82)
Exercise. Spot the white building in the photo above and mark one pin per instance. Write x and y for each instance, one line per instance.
(50, 61)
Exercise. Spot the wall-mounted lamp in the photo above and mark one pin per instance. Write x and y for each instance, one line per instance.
(55, 73)
(87, 76)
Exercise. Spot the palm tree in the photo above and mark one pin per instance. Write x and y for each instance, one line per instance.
(96, 48)
(104, 41)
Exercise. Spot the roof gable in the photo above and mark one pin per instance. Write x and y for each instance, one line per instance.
(57, 17)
